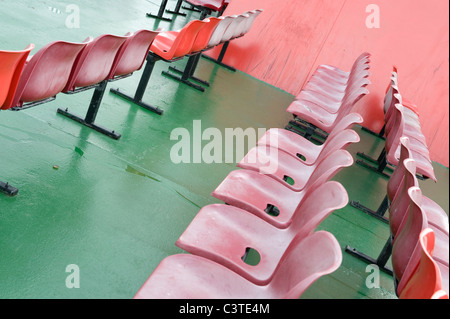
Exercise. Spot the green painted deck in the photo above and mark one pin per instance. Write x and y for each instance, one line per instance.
(116, 208)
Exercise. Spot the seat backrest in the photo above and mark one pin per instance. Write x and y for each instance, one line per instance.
(94, 63)
(234, 27)
(303, 263)
(215, 5)
(221, 28)
(426, 279)
(185, 38)
(396, 180)
(349, 101)
(11, 66)
(399, 208)
(339, 140)
(316, 206)
(131, 55)
(327, 167)
(47, 72)
(346, 122)
(204, 35)
(405, 252)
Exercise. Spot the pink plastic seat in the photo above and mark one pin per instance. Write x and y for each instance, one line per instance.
(46, 73)
(426, 280)
(225, 233)
(419, 152)
(105, 59)
(322, 119)
(339, 75)
(339, 138)
(436, 216)
(216, 37)
(283, 166)
(271, 200)
(406, 251)
(215, 5)
(186, 276)
(10, 71)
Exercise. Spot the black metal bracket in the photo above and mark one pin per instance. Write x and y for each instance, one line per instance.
(8, 189)
(379, 135)
(32, 104)
(160, 14)
(177, 9)
(92, 112)
(219, 60)
(379, 213)
(381, 260)
(142, 86)
(187, 74)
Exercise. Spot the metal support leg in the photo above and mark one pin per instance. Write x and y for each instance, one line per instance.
(177, 9)
(8, 189)
(186, 74)
(382, 259)
(379, 135)
(381, 163)
(221, 56)
(379, 214)
(143, 82)
(160, 14)
(92, 112)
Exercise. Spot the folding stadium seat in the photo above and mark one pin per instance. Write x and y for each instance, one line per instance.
(12, 63)
(289, 170)
(12, 66)
(317, 117)
(225, 234)
(426, 280)
(46, 73)
(193, 277)
(309, 152)
(200, 43)
(106, 58)
(406, 252)
(271, 200)
(397, 200)
(168, 46)
(339, 76)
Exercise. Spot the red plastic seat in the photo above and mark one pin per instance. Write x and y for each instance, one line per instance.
(259, 194)
(204, 35)
(95, 62)
(339, 75)
(225, 233)
(131, 55)
(441, 294)
(186, 276)
(281, 166)
(10, 71)
(339, 138)
(105, 59)
(46, 73)
(426, 280)
(177, 44)
(405, 251)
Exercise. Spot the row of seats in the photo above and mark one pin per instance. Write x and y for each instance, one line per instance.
(400, 121)
(69, 68)
(273, 205)
(410, 214)
(328, 96)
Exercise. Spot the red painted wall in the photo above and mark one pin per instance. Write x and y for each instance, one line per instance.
(291, 38)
